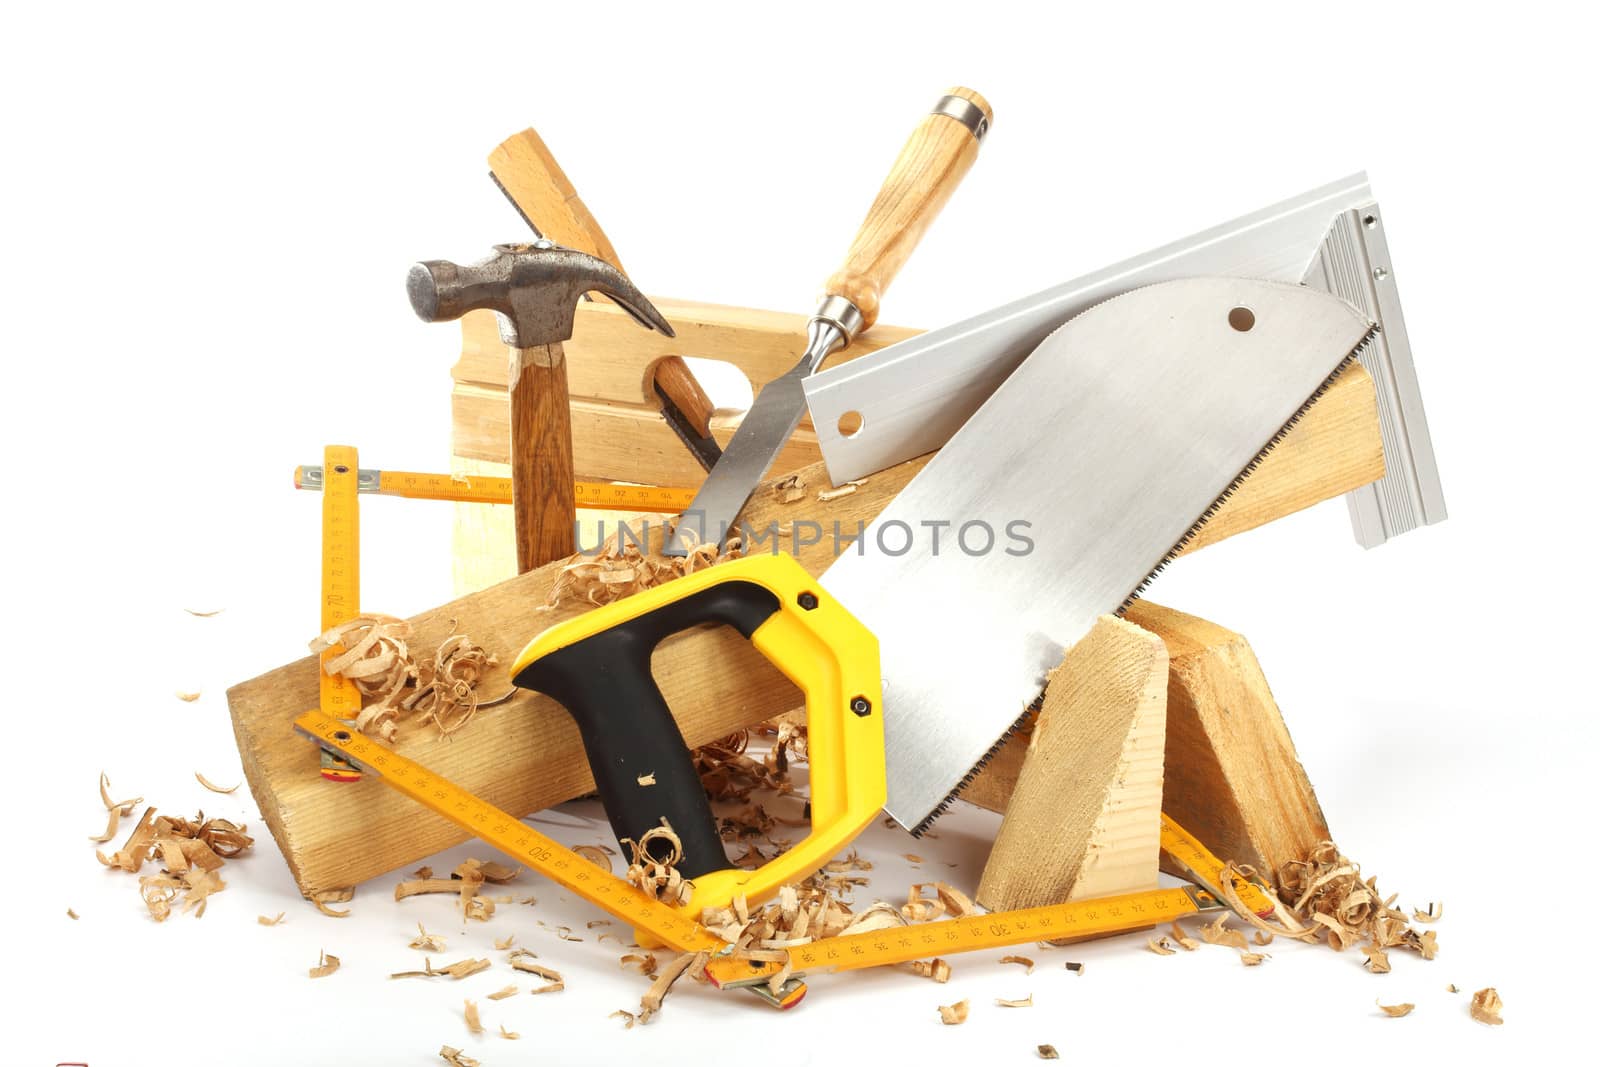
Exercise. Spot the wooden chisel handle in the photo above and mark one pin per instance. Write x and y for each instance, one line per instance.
(535, 183)
(933, 162)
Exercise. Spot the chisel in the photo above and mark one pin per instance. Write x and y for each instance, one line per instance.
(932, 163)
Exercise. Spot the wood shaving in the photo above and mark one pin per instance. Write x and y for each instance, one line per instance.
(647, 779)
(458, 970)
(789, 489)
(423, 873)
(1326, 892)
(427, 942)
(592, 923)
(213, 786)
(503, 943)
(1023, 960)
(1025, 1002)
(913, 857)
(955, 901)
(622, 567)
(501, 994)
(599, 855)
(1160, 946)
(203, 614)
(373, 655)
(565, 934)
(447, 689)
(627, 1018)
(1218, 932)
(322, 898)
(1048, 1052)
(1434, 913)
(71, 914)
(326, 965)
(191, 852)
(456, 1058)
(728, 772)
(953, 1014)
(844, 489)
(1396, 1011)
(690, 963)
(1253, 959)
(646, 963)
(1181, 936)
(469, 1010)
(116, 810)
(188, 696)
(1452, 988)
(1262, 938)
(1377, 959)
(657, 876)
(521, 960)
(1485, 1007)
(274, 921)
(936, 969)
(508, 1034)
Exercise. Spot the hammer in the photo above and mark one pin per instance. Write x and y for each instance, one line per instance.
(534, 289)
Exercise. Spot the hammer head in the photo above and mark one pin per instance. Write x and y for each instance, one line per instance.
(533, 287)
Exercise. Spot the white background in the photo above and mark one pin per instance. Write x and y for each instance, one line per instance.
(208, 215)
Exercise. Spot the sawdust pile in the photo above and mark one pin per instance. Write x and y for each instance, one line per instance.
(377, 658)
(623, 566)
(190, 852)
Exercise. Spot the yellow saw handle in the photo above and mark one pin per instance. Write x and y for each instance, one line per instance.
(597, 666)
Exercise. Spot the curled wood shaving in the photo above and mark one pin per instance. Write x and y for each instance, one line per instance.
(213, 786)
(326, 965)
(116, 810)
(1048, 1052)
(501, 994)
(188, 696)
(691, 963)
(322, 898)
(1262, 938)
(599, 855)
(447, 689)
(1217, 932)
(508, 1034)
(621, 567)
(375, 657)
(427, 942)
(1485, 1007)
(658, 876)
(1025, 1002)
(1377, 959)
(789, 489)
(627, 1018)
(1023, 960)
(456, 1058)
(421, 886)
(1327, 893)
(521, 960)
(1160, 946)
(191, 851)
(1396, 1011)
(646, 963)
(274, 921)
(498, 873)
(936, 968)
(953, 1014)
(470, 1011)
(1181, 936)
(1434, 913)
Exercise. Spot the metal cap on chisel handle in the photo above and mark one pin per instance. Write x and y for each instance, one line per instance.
(930, 166)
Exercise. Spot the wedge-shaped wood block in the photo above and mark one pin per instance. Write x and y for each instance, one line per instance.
(1084, 818)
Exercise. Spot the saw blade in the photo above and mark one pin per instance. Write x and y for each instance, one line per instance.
(1067, 491)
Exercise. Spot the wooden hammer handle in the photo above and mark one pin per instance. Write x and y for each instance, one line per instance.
(547, 199)
(542, 502)
(933, 162)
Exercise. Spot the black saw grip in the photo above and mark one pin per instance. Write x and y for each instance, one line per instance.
(604, 683)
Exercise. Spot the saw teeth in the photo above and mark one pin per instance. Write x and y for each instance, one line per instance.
(1205, 516)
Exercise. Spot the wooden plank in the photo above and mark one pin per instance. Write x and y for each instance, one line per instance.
(1084, 820)
(1234, 779)
(525, 755)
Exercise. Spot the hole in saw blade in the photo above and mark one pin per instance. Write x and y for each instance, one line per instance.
(1241, 319)
(850, 423)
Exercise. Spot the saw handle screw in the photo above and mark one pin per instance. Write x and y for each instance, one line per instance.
(808, 601)
(861, 706)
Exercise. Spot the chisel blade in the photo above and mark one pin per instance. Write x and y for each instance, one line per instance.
(1059, 500)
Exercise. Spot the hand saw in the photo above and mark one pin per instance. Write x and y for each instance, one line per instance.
(940, 152)
(1066, 493)
(481, 489)
(676, 927)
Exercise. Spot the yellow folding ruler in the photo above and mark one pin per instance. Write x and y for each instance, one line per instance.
(341, 592)
(475, 489)
(680, 931)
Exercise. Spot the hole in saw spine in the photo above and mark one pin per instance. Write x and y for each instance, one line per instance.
(1241, 319)
(850, 423)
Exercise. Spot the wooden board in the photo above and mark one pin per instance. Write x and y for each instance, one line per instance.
(525, 756)
(1084, 820)
(1234, 779)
